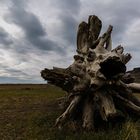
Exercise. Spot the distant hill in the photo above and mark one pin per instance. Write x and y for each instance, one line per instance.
(136, 74)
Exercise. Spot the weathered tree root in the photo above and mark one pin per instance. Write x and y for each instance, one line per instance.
(67, 114)
(97, 82)
(88, 114)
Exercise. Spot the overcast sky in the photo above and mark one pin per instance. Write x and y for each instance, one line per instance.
(35, 34)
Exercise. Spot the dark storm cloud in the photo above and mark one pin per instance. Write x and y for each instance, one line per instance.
(69, 11)
(5, 38)
(31, 26)
(69, 29)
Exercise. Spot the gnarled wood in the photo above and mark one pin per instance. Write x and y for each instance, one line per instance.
(106, 105)
(88, 33)
(128, 104)
(134, 86)
(96, 82)
(88, 114)
(69, 111)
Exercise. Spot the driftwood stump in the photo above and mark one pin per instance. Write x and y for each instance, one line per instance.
(96, 82)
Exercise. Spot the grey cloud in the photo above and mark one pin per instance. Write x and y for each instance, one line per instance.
(122, 22)
(31, 26)
(69, 11)
(36, 50)
(69, 25)
(5, 38)
(15, 72)
(16, 80)
(122, 15)
(14, 76)
(69, 6)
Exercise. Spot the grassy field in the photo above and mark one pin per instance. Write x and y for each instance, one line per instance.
(28, 112)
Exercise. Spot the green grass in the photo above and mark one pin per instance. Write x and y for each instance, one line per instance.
(30, 113)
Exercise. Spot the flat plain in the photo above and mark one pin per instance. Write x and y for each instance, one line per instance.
(28, 112)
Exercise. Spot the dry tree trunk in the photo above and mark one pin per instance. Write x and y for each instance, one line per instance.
(97, 78)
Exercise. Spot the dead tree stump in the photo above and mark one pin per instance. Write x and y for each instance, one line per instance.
(97, 78)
